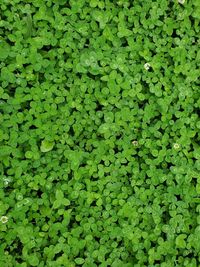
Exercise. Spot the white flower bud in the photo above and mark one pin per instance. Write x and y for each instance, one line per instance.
(135, 143)
(4, 219)
(147, 66)
(176, 146)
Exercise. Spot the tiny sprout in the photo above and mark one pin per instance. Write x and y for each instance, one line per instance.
(147, 66)
(176, 146)
(4, 219)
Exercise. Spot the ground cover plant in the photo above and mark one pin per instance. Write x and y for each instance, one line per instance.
(99, 136)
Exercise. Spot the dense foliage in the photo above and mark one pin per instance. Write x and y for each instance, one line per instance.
(99, 136)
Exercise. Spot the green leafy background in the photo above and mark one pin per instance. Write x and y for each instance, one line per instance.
(74, 96)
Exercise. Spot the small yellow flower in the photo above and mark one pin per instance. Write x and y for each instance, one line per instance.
(181, 1)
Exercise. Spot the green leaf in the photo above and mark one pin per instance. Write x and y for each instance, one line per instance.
(59, 195)
(79, 261)
(33, 260)
(180, 241)
(28, 154)
(57, 204)
(46, 146)
(4, 50)
(66, 202)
